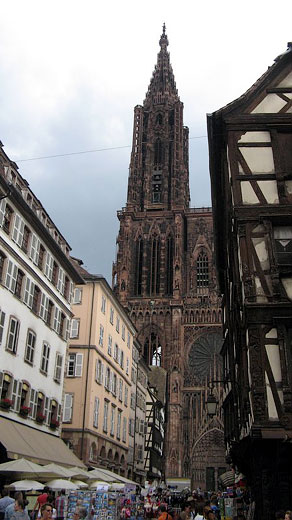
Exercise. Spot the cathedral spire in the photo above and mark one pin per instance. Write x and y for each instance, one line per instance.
(162, 86)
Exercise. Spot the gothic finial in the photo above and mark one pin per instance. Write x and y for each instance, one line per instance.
(163, 42)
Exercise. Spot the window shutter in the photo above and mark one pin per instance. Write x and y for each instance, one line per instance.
(67, 332)
(28, 292)
(61, 280)
(46, 410)
(34, 249)
(31, 414)
(96, 411)
(97, 370)
(101, 373)
(68, 407)
(2, 210)
(2, 321)
(49, 266)
(18, 228)
(11, 276)
(44, 306)
(59, 409)
(111, 382)
(78, 367)
(14, 385)
(70, 298)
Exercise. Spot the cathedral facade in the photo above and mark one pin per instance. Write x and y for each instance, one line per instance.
(164, 273)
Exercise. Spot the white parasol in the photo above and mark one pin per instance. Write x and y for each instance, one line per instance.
(61, 484)
(25, 485)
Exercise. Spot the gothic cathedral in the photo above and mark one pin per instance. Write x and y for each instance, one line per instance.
(164, 273)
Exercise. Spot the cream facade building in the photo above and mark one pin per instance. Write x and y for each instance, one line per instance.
(36, 285)
(96, 418)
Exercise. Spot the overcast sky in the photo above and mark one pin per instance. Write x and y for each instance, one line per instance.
(71, 73)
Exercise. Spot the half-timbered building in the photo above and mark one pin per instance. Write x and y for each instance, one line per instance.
(251, 175)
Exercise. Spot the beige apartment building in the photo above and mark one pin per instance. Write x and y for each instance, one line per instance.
(98, 376)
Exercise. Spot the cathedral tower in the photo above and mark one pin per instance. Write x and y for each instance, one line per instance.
(164, 271)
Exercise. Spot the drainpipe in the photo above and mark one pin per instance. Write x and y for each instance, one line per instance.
(87, 370)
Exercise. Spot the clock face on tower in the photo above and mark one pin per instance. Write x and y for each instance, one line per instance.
(203, 357)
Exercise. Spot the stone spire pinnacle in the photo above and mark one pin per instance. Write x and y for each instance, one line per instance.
(162, 86)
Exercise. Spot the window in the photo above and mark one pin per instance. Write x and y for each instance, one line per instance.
(2, 209)
(2, 321)
(103, 304)
(28, 292)
(41, 257)
(99, 372)
(105, 416)
(126, 396)
(96, 412)
(12, 336)
(2, 260)
(8, 212)
(101, 331)
(77, 295)
(128, 340)
(68, 408)
(18, 230)
(30, 346)
(202, 270)
(61, 281)
(121, 390)
(111, 315)
(25, 240)
(119, 424)
(114, 385)
(109, 346)
(58, 368)
(283, 244)
(11, 276)
(133, 375)
(18, 284)
(49, 266)
(112, 430)
(34, 249)
(127, 366)
(107, 379)
(74, 332)
(68, 289)
(116, 352)
(45, 358)
(133, 401)
(123, 332)
(49, 315)
(122, 359)
(36, 299)
(124, 429)
(139, 267)
(75, 363)
(118, 324)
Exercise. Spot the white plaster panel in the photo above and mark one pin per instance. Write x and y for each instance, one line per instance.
(271, 104)
(270, 191)
(288, 185)
(255, 137)
(240, 169)
(273, 354)
(259, 290)
(248, 194)
(287, 283)
(259, 229)
(272, 334)
(259, 160)
(262, 252)
(286, 82)
(288, 95)
(289, 110)
(272, 411)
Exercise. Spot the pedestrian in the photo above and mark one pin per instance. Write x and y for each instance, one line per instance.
(46, 511)
(9, 511)
(163, 514)
(51, 500)
(5, 501)
(81, 513)
(41, 499)
(19, 512)
(186, 512)
(206, 510)
(288, 515)
(60, 504)
(199, 512)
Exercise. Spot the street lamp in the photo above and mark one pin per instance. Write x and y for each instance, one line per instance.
(211, 404)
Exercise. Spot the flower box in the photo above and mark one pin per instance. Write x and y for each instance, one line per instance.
(40, 417)
(54, 424)
(6, 403)
(24, 411)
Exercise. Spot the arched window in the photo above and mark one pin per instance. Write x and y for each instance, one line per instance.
(169, 266)
(152, 351)
(202, 270)
(154, 265)
(139, 267)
